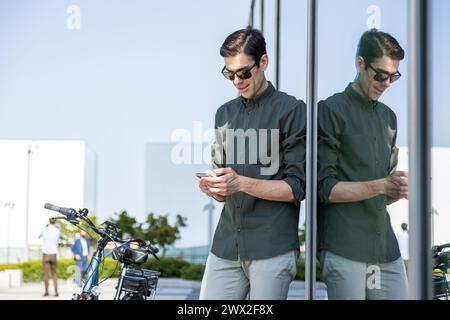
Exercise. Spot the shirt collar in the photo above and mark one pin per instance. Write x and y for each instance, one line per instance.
(260, 98)
(371, 104)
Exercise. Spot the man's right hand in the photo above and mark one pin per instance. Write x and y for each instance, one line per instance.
(77, 257)
(205, 187)
(396, 186)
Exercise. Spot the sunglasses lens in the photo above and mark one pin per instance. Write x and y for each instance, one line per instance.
(228, 75)
(381, 77)
(395, 77)
(242, 74)
(246, 74)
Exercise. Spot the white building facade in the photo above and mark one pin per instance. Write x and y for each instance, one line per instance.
(440, 175)
(33, 173)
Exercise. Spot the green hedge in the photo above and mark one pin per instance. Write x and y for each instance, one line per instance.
(9, 266)
(169, 268)
(193, 271)
(66, 268)
(301, 270)
(32, 270)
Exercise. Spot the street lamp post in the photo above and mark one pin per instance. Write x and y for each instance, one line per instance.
(209, 207)
(27, 205)
(10, 205)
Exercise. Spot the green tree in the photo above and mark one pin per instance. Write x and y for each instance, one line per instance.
(69, 231)
(302, 235)
(127, 224)
(160, 232)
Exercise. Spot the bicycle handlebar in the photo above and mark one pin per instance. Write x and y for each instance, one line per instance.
(73, 217)
(64, 211)
(70, 213)
(440, 247)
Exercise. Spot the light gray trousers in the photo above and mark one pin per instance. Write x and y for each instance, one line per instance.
(265, 279)
(353, 280)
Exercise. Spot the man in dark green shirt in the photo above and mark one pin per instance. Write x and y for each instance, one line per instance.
(259, 159)
(358, 250)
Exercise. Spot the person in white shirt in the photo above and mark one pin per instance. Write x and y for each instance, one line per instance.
(403, 241)
(50, 237)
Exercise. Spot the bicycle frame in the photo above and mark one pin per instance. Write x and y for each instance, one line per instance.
(91, 277)
(92, 274)
(123, 272)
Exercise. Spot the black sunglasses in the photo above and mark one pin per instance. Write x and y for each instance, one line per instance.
(381, 76)
(241, 74)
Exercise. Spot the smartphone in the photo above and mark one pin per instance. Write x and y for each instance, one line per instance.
(201, 174)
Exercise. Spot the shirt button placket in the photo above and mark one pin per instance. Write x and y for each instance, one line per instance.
(238, 227)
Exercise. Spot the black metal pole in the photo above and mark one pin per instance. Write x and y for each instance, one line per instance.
(419, 153)
(251, 17)
(311, 154)
(262, 16)
(277, 45)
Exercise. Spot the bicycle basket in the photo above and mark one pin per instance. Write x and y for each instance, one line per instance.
(141, 281)
(440, 284)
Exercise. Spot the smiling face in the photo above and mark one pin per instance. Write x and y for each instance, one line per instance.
(366, 84)
(251, 87)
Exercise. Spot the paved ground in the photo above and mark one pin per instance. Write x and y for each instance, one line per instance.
(168, 289)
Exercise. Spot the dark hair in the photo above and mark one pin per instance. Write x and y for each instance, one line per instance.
(375, 44)
(404, 226)
(248, 41)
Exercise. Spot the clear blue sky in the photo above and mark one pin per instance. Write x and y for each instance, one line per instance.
(138, 70)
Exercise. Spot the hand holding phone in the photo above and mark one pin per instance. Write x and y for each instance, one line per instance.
(204, 174)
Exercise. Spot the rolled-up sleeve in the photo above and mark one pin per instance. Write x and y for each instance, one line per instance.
(217, 147)
(329, 131)
(393, 159)
(293, 146)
